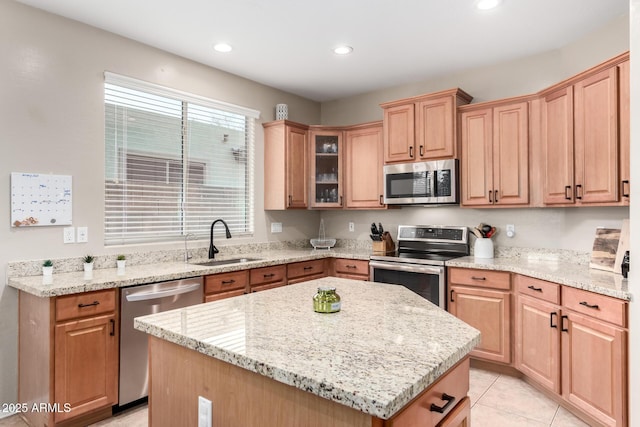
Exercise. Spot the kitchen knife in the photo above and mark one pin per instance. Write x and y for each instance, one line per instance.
(374, 229)
(380, 229)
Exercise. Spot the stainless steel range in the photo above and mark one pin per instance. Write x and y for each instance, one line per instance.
(418, 263)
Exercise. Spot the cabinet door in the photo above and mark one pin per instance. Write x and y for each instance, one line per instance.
(477, 157)
(511, 154)
(625, 134)
(435, 133)
(596, 138)
(327, 152)
(537, 349)
(364, 162)
(594, 368)
(489, 312)
(86, 365)
(399, 133)
(297, 169)
(557, 147)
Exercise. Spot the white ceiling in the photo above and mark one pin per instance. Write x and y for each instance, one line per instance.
(287, 44)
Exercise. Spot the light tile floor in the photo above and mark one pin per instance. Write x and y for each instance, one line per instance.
(497, 401)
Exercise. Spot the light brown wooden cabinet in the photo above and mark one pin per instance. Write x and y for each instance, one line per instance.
(422, 127)
(364, 160)
(306, 270)
(264, 278)
(482, 299)
(327, 155)
(286, 165)
(225, 285)
(350, 268)
(495, 153)
(581, 151)
(624, 80)
(574, 343)
(69, 348)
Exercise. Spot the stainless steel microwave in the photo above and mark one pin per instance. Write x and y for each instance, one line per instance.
(421, 183)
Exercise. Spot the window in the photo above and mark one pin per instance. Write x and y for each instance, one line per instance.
(174, 163)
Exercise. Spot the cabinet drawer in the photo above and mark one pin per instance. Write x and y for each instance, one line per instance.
(305, 268)
(599, 306)
(455, 384)
(537, 288)
(481, 278)
(264, 275)
(85, 304)
(225, 282)
(222, 295)
(352, 266)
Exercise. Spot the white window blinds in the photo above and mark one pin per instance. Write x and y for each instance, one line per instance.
(174, 162)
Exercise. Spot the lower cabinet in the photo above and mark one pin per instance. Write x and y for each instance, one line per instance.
(68, 349)
(225, 285)
(482, 299)
(356, 269)
(306, 270)
(577, 349)
(264, 278)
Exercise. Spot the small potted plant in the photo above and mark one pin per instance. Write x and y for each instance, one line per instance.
(88, 262)
(121, 260)
(47, 268)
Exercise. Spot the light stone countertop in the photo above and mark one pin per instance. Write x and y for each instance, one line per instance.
(565, 273)
(107, 278)
(384, 347)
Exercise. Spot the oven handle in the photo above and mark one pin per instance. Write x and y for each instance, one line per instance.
(411, 268)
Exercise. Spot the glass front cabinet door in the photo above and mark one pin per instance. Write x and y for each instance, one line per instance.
(326, 169)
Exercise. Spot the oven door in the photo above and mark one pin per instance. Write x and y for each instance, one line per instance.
(428, 281)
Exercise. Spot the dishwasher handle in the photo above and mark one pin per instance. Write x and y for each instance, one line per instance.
(144, 296)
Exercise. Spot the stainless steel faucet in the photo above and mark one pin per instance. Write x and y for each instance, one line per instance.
(187, 236)
(212, 248)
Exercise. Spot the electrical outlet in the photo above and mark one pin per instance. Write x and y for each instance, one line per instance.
(83, 235)
(511, 230)
(352, 226)
(205, 412)
(69, 234)
(276, 227)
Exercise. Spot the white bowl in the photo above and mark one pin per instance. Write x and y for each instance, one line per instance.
(323, 243)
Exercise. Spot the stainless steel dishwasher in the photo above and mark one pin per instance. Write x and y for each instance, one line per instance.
(138, 301)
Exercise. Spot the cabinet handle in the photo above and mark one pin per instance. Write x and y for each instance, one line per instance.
(586, 304)
(567, 192)
(307, 268)
(411, 151)
(490, 199)
(551, 315)
(228, 282)
(451, 296)
(88, 305)
(289, 199)
(625, 183)
(350, 266)
(113, 327)
(441, 409)
(340, 200)
(421, 151)
(562, 328)
(495, 196)
(578, 193)
(381, 199)
(533, 288)
(478, 278)
(266, 276)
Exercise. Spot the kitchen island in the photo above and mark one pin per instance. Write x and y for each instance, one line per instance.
(268, 359)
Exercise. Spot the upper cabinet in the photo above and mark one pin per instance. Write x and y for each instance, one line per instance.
(422, 127)
(495, 153)
(364, 159)
(327, 154)
(625, 134)
(580, 148)
(286, 165)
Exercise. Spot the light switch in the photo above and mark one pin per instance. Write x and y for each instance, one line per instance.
(69, 234)
(83, 234)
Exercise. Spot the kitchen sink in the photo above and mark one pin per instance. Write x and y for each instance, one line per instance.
(215, 262)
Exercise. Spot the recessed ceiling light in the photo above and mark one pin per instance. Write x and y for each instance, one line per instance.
(343, 50)
(487, 4)
(222, 47)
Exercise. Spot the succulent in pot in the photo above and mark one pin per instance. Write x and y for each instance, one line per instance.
(47, 268)
(120, 262)
(88, 262)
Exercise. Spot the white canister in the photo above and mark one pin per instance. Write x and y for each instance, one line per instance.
(282, 112)
(483, 248)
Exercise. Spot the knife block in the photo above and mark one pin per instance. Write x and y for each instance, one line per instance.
(385, 246)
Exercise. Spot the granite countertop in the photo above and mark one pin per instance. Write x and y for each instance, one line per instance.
(107, 278)
(383, 348)
(565, 273)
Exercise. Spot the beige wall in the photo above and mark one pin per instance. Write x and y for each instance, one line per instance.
(51, 121)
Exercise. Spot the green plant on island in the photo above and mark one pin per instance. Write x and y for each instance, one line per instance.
(88, 259)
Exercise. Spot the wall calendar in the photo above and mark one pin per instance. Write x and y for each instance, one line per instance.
(39, 200)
